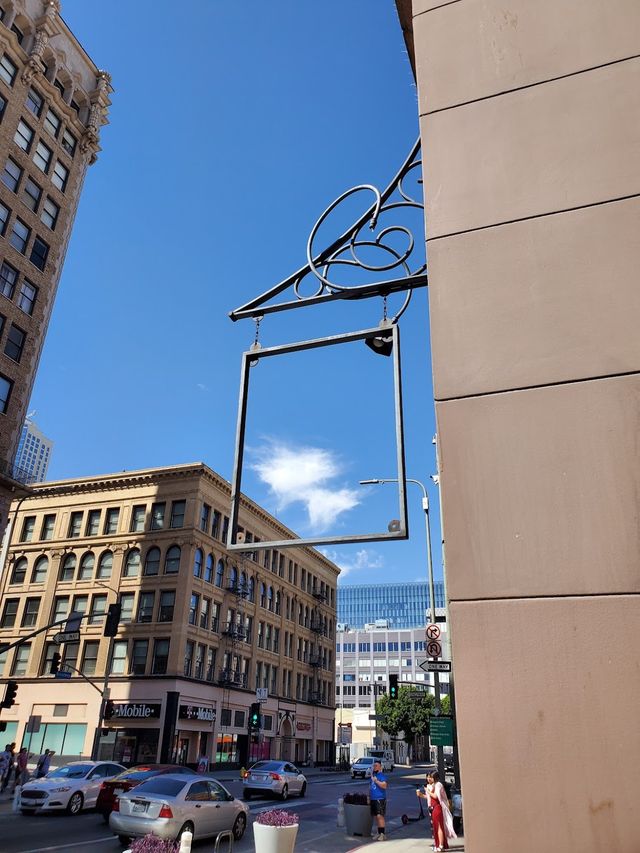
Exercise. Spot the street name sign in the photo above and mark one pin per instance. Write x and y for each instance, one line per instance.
(63, 673)
(373, 716)
(441, 731)
(262, 694)
(435, 665)
(67, 637)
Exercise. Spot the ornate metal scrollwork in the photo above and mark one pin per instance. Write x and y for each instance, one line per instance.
(401, 270)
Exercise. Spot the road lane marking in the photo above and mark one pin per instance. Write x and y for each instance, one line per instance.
(68, 846)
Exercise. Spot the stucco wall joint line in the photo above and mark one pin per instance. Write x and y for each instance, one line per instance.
(534, 216)
(560, 597)
(435, 8)
(528, 85)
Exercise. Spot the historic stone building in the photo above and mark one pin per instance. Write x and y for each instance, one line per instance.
(201, 630)
(53, 101)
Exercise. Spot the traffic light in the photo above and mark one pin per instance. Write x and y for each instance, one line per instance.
(109, 710)
(55, 663)
(254, 717)
(393, 687)
(113, 620)
(3, 726)
(10, 694)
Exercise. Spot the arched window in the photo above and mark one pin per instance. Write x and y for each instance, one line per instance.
(172, 560)
(220, 573)
(306, 617)
(243, 581)
(85, 572)
(263, 595)
(39, 574)
(132, 564)
(152, 561)
(197, 563)
(252, 589)
(105, 565)
(233, 577)
(19, 571)
(208, 569)
(270, 598)
(68, 568)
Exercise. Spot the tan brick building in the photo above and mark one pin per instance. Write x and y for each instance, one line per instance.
(53, 101)
(200, 629)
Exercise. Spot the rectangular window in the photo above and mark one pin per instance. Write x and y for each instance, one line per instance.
(75, 525)
(167, 604)
(204, 517)
(204, 613)
(211, 664)
(20, 234)
(8, 70)
(27, 297)
(31, 194)
(49, 214)
(80, 603)
(60, 607)
(15, 343)
(98, 609)
(177, 513)
(194, 605)
(157, 516)
(137, 518)
(126, 603)
(39, 253)
(111, 521)
(225, 528)
(34, 102)
(90, 657)
(11, 175)
(9, 613)
(48, 524)
(60, 176)
(5, 393)
(188, 658)
(4, 217)
(119, 657)
(17, 32)
(49, 650)
(70, 654)
(69, 142)
(28, 526)
(160, 657)
(215, 528)
(93, 522)
(139, 653)
(52, 124)
(21, 659)
(8, 278)
(23, 136)
(3, 104)
(30, 614)
(145, 606)
(42, 157)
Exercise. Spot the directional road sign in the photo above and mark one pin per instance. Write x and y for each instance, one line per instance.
(433, 632)
(434, 649)
(373, 716)
(67, 637)
(435, 665)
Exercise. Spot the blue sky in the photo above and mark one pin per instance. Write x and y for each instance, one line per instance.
(233, 126)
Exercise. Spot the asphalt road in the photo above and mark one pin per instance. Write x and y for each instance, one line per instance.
(318, 833)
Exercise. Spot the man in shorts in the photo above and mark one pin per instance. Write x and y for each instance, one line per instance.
(378, 797)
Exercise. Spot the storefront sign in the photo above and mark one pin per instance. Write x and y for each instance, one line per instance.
(197, 712)
(303, 727)
(136, 710)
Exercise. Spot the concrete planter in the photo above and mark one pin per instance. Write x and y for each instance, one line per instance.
(358, 820)
(274, 839)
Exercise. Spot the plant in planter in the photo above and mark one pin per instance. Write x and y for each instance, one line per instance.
(153, 844)
(357, 814)
(275, 831)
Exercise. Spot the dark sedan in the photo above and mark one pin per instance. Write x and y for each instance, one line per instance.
(111, 790)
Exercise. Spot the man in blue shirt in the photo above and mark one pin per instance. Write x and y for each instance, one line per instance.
(378, 797)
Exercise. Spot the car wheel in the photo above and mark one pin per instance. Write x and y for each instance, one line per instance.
(239, 826)
(76, 801)
(124, 840)
(303, 790)
(284, 793)
(246, 794)
(188, 827)
(27, 811)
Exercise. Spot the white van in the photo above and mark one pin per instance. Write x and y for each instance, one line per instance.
(385, 757)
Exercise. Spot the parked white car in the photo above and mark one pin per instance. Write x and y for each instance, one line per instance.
(362, 767)
(73, 787)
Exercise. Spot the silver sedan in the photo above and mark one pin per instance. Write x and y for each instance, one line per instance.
(279, 778)
(170, 804)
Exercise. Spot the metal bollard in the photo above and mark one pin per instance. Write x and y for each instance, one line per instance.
(341, 821)
(227, 836)
(16, 799)
(185, 841)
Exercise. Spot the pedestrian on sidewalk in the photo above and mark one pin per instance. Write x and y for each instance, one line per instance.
(22, 774)
(438, 805)
(44, 763)
(378, 798)
(9, 758)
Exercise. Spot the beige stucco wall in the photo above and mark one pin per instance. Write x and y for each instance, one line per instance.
(530, 125)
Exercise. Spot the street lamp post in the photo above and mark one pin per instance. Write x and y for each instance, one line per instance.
(105, 684)
(432, 594)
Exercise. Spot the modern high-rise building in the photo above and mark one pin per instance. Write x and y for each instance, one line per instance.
(34, 453)
(201, 629)
(53, 102)
(402, 605)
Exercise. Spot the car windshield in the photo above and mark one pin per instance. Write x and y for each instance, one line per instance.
(70, 771)
(161, 785)
(267, 765)
(364, 761)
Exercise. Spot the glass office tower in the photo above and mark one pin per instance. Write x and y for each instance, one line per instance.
(403, 605)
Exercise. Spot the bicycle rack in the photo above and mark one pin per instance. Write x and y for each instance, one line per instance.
(227, 836)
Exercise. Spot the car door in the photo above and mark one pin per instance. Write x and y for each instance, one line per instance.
(91, 787)
(200, 808)
(294, 778)
(223, 810)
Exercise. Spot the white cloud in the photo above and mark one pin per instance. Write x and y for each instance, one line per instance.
(302, 474)
(365, 558)
(201, 386)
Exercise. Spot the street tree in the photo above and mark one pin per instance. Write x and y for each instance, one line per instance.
(408, 713)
